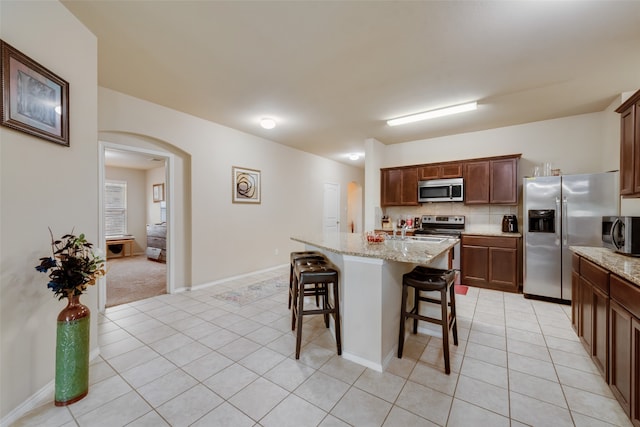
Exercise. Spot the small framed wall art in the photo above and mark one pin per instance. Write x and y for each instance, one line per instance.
(34, 100)
(245, 185)
(158, 192)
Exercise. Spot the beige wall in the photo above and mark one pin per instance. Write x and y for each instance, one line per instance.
(44, 185)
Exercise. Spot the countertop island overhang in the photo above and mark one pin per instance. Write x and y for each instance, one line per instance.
(371, 288)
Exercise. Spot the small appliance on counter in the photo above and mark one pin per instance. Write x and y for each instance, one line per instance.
(509, 224)
(622, 234)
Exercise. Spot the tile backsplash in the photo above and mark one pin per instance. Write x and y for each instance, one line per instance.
(476, 216)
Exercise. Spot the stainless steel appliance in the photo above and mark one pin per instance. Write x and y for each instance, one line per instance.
(562, 211)
(509, 224)
(622, 234)
(444, 225)
(441, 190)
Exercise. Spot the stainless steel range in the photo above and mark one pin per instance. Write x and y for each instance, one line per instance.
(444, 225)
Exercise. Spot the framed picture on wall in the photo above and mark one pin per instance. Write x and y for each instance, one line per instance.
(34, 100)
(158, 192)
(245, 185)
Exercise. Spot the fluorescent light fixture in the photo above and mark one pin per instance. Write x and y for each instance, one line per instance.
(433, 114)
(267, 123)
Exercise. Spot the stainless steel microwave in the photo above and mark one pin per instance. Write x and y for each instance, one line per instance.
(622, 234)
(441, 190)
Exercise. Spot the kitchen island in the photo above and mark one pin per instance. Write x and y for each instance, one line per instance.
(371, 287)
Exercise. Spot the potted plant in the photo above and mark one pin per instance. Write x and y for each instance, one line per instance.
(72, 267)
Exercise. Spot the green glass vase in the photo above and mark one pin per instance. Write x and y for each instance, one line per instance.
(72, 352)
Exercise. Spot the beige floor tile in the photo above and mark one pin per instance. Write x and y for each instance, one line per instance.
(118, 412)
(218, 338)
(170, 343)
(533, 351)
(434, 378)
(314, 355)
(264, 335)
(150, 419)
(484, 371)
(490, 340)
(230, 380)
(262, 360)
(487, 354)
(189, 406)
(535, 367)
(293, 412)
(47, 415)
(133, 358)
(399, 417)
(534, 412)
(110, 351)
(99, 394)
(224, 415)
(100, 370)
(147, 372)
(288, 374)
(187, 353)
(464, 414)
(258, 398)
(156, 334)
(593, 383)
(381, 384)
(331, 421)
(413, 397)
(484, 395)
(595, 406)
(322, 390)
(360, 408)
(580, 420)
(166, 387)
(206, 366)
(535, 338)
(568, 345)
(238, 349)
(580, 360)
(343, 369)
(537, 388)
(401, 367)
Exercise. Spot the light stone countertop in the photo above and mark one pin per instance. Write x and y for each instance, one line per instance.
(411, 251)
(624, 266)
(488, 230)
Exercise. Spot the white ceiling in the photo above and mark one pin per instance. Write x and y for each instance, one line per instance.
(332, 72)
(131, 160)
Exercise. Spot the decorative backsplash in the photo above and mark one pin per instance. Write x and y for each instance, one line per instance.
(476, 216)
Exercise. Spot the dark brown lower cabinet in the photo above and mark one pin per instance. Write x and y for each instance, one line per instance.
(620, 350)
(491, 262)
(635, 372)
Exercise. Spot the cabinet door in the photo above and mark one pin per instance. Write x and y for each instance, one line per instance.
(600, 340)
(503, 273)
(409, 194)
(475, 265)
(628, 151)
(586, 314)
(620, 354)
(636, 148)
(575, 301)
(476, 182)
(429, 172)
(503, 187)
(451, 170)
(391, 187)
(635, 371)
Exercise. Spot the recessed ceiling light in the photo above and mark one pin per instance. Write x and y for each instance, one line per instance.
(267, 123)
(432, 114)
(354, 156)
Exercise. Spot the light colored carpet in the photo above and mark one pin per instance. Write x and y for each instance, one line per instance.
(134, 278)
(254, 292)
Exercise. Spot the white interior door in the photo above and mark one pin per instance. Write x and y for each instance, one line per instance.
(331, 210)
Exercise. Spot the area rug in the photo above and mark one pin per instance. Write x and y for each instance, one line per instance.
(255, 292)
(134, 278)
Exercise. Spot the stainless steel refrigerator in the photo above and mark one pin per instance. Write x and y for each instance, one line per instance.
(562, 211)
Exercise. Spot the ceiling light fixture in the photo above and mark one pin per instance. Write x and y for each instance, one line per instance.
(433, 114)
(354, 156)
(268, 123)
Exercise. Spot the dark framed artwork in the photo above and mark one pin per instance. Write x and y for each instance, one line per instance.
(34, 100)
(245, 185)
(158, 192)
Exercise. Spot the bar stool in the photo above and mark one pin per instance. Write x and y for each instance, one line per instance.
(294, 256)
(321, 274)
(425, 279)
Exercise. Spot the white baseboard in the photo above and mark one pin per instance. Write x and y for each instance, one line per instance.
(41, 397)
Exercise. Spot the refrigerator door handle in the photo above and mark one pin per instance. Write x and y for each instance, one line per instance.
(558, 220)
(565, 222)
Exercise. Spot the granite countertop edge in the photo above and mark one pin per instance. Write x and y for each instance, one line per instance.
(625, 266)
(392, 250)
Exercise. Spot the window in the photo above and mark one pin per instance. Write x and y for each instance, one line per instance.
(115, 208)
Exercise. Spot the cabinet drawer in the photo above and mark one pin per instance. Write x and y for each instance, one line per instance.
(575, 263)
(489, 241)
(626, 294)
(597, 276)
